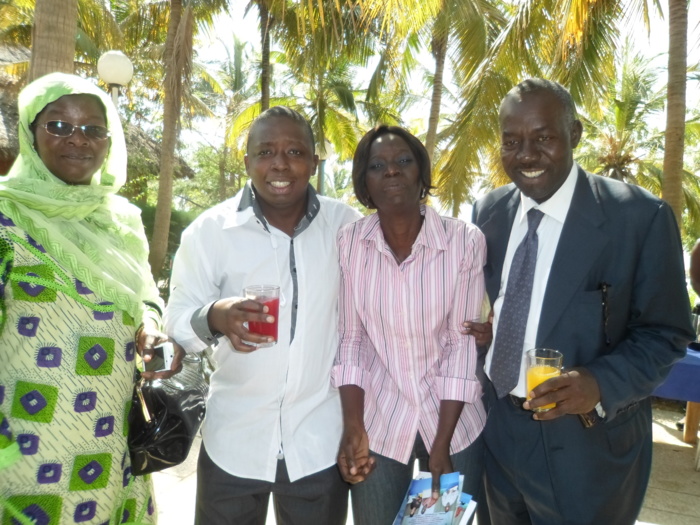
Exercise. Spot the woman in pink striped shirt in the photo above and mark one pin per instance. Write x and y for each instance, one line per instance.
(405, 370)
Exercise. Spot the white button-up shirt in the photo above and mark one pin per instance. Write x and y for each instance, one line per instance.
(555, 210)
(276, 400)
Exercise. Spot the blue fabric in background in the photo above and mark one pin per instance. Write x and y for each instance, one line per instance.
(683, 383)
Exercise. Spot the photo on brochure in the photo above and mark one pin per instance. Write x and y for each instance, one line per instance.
(451, 507)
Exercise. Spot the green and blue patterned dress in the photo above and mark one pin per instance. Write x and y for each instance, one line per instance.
(67, 362)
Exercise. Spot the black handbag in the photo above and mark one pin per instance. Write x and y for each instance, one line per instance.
(165, 416)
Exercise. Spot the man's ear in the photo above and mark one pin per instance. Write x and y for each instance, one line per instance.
(576, 132)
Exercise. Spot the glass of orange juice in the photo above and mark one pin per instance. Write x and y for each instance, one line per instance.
(542, 364)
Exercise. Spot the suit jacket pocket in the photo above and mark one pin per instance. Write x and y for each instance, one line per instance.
(584, 323)
(627, 432)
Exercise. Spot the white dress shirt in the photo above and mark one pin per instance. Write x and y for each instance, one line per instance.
(555, 210)
(278, 401)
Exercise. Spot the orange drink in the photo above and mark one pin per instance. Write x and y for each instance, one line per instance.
(542, 364)
(537, 375)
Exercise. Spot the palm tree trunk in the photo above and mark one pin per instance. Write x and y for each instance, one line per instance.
(265, 22)
(675, 111)
(439, 50)
(53, 37)
(172, 102)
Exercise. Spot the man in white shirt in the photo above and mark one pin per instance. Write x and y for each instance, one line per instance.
(273, 420)
(608, 291)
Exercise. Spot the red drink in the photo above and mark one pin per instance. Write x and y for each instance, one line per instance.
(270, 329)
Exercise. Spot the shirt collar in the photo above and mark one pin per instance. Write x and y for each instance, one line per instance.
(249, 207)
(431, 235)
(557, 206)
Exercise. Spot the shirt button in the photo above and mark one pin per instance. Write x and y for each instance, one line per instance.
(280, 455)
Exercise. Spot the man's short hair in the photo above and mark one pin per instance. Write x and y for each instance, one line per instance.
(285, 112)
(533, 85)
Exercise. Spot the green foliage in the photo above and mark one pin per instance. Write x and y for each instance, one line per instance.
(319, 49)
(212, 173)
(620, 142)
(179, 220)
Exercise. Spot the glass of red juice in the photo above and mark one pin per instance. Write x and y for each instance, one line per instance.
(267, 295)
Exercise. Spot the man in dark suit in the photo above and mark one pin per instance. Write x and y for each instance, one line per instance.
(608, 292)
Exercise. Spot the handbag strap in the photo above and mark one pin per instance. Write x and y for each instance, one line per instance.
(142, 401)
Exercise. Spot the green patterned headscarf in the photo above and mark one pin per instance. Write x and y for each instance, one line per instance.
(97, 235)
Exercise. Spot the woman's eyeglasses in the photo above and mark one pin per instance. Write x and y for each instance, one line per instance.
(58, 128)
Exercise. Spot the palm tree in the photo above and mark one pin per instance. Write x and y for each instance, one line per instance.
(621, 144)
(64, 36)
(101, 26)
(53, 37)
(675, 108)
(472, 25)
(572, 42)
(266, 22)
(229, 89)
(177, 57)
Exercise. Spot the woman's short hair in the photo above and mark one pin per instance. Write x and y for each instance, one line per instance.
(360, 161)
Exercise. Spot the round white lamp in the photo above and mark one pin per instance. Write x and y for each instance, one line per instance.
(115, 68)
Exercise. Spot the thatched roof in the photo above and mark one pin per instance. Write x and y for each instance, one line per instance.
(9, 146)
(9, 87)
(14, 55)
(144, 155)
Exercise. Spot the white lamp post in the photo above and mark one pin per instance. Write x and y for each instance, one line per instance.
(115, 68)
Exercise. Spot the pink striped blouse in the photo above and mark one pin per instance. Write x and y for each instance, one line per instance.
(399, 328)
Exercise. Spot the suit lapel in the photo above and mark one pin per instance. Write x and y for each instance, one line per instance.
(581, 242)
(497, 228)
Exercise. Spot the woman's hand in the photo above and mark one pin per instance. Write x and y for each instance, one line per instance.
(439, 464)
(175, 366)
(354, 460)
(148, 336)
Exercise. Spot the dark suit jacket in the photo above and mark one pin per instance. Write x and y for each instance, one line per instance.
(623, 236)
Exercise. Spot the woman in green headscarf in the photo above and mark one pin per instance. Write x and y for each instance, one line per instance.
(77, 301)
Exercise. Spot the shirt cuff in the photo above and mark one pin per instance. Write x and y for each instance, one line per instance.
(200, 325)
(600, 410)
(348, 375)
(458, 389)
